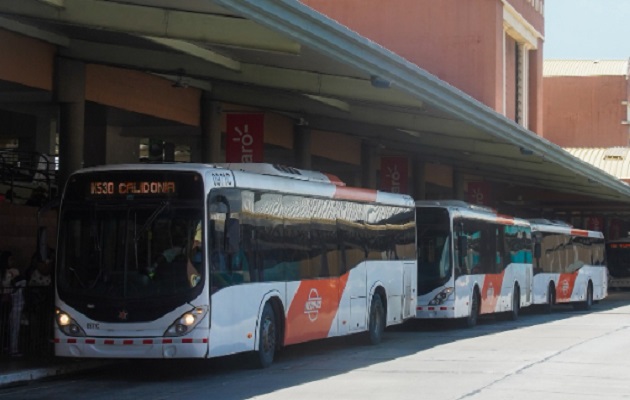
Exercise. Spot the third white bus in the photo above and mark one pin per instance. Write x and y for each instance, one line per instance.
(569, 265)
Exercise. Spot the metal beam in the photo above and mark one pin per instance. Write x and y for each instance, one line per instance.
(53, 3)
(34, 32)
(197, 52)
(155, 21)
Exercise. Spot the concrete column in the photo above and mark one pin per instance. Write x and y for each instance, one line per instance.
(369, 165)
(70, 94)
(419, 171)
(458, 185)
(46, 134)
(211, 131)
(302, 147)
(96, 135)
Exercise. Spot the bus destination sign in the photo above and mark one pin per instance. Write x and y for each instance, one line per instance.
(111, 188)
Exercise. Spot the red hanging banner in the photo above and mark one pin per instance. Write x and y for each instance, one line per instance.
(479, 193)
(594, 223)
(244, 137)
(614, 229)
(395, 174)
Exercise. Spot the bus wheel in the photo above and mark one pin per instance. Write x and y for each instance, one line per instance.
(551, 299)
(516, 304)
(588, 303)
(471, 320)
(377, 320)
(266, 337)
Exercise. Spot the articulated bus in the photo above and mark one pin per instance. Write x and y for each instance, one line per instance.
(569, 265)
(618, 261)
(192, 260)
(471, 261)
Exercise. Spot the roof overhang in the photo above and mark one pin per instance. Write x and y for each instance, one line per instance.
(286, 57)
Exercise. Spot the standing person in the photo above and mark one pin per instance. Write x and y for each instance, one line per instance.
(14, 283)
(40, 305)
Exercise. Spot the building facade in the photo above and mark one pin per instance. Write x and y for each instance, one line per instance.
(586, 103)
(490, 49)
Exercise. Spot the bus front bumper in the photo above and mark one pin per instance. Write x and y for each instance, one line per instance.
(166, 347)
(435, 312)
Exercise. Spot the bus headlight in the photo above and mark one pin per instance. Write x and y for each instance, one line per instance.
(441, 297)
(187, 322)
(68, 325)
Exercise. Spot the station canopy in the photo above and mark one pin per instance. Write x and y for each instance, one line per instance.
(282, 56)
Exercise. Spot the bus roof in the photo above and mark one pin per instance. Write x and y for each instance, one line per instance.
(473, 211)
(271, 177)
(620, 240)
(545, 225)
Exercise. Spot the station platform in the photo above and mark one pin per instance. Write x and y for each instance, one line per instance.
(21, 371)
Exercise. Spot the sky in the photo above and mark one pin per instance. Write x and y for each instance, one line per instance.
(587, 29)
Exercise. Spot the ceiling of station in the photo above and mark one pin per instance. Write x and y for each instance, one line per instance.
(282, 56)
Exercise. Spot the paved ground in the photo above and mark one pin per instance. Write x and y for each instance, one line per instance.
(564, 355)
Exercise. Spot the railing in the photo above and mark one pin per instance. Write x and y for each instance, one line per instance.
(27, 177)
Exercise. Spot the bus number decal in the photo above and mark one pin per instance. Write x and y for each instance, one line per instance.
(222, 179)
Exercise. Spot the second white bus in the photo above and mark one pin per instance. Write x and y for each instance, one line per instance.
(471, 261)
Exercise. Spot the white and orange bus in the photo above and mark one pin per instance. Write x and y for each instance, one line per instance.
(471, 261)
(191, 260)
(569, 265)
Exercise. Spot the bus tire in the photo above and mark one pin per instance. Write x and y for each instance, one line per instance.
(475, 304)
(551, 299)
(516, 304)
(267, 337)
(588, 303)
(376, 323)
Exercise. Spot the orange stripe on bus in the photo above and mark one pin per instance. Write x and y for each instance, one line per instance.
(564, 287)
(346, 193)
(335, 180)
(579, 232)
(505, 220)
(491, 292)
(313, 309)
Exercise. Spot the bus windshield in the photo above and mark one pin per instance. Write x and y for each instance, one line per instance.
(434, 249)
(618, 259)
(130, 252)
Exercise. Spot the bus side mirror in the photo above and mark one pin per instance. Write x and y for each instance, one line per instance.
(218, 207)
(462, 243)
(233, 239)
(537, 250)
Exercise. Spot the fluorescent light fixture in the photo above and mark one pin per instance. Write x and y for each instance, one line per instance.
(379, 82)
